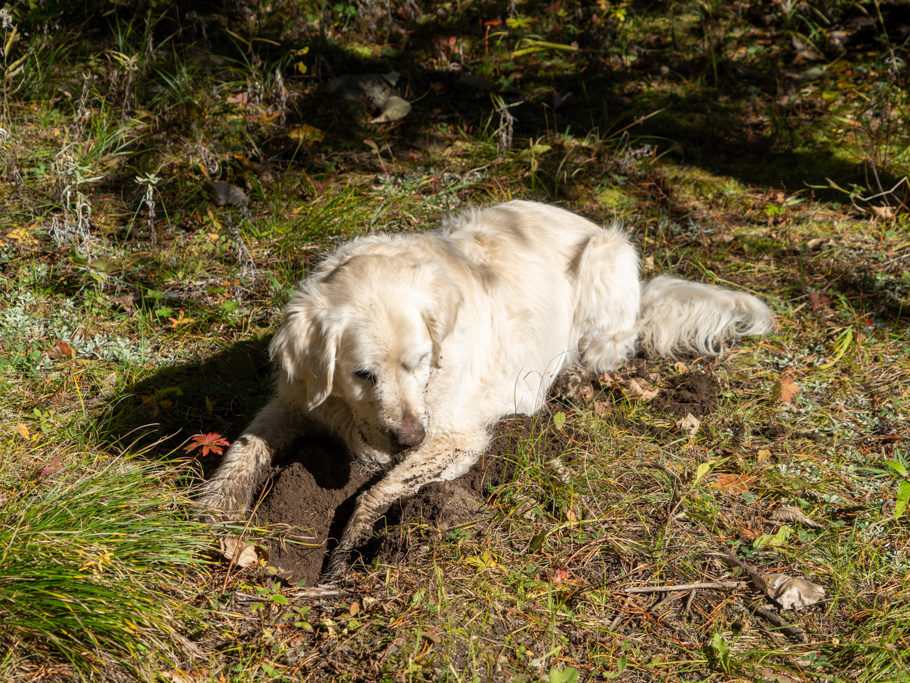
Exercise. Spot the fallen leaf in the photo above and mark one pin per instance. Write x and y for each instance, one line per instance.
(240, 98)
(306, 133)
(884, 212)
(556, 467)
(639, 388)
(23, 431)
(61, 350)
(733, 483)
(181, 319)
(55, 465)
(560, 576)
(792, 592)
(763, 454)
(22, 235)
(788, 513)
(575, 386)
(241, 553)
(805, 50)
(779, 538)
(817, 301)
(817, 242)
(603, 408)
(209, 443)
(689, 424)
(785, 389)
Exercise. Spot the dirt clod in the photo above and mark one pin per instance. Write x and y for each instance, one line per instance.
(692, 393)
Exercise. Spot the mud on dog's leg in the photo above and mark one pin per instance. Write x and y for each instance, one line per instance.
(244, 466)
(427, 464)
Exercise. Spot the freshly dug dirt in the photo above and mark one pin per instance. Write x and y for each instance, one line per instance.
(692, 392)
(315, 493)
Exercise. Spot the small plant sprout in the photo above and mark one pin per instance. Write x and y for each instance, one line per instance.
(150, 183)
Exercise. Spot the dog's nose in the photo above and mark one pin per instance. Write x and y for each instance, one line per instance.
(411, 433)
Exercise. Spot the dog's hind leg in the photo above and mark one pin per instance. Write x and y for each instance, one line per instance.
(431, 462)
(244, 466)
(607, 298)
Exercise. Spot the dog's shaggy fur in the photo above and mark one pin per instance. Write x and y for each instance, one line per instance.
(410, 346)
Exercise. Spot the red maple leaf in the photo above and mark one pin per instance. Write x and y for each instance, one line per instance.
(209, 443)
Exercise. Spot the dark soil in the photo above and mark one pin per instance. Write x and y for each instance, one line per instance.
(693, 392)
(314, 495)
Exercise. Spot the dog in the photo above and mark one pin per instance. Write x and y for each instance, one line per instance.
(410, 346)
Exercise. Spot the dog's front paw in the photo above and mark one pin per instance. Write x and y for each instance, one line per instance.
(336, 567)
(216, 505)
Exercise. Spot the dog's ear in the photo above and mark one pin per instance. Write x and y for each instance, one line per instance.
(440, 319)
(305, 348)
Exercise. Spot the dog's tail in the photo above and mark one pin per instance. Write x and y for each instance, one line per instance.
(678, 316)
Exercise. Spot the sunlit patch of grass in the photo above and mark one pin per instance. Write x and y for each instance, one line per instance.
(96, 564)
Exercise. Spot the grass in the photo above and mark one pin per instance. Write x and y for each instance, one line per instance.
(134, 314)
(95, 559)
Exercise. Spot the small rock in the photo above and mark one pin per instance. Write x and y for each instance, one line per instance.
(225, 193)
(393, 109)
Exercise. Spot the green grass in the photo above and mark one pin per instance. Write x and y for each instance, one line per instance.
(134, 314)
(97, 557)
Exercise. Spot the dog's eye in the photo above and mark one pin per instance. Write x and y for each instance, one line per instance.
(366, 376)
(411, 367)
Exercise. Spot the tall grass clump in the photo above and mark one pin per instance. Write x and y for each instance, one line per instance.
(96, 566)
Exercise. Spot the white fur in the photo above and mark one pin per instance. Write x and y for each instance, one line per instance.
(410, 346)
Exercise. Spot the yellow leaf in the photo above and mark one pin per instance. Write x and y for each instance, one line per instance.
(306, 133)
(23, 431)
(22, 235)
(703, 469)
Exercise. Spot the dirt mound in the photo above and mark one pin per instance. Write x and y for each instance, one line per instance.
(692, 392)
(315, 493)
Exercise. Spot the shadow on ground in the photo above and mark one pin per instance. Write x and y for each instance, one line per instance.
(219, 394)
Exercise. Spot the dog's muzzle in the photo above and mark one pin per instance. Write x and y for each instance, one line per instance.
(411, 433)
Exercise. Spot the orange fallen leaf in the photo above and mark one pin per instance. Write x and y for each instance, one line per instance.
(181, 319)
(209, 443)
(61, 350)
(817, 301)
(733, 483)
(785, 389)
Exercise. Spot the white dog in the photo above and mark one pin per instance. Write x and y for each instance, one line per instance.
(409, 346)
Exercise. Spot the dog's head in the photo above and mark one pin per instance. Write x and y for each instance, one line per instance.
(370, 331)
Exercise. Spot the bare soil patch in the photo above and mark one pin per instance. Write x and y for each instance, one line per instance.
(314, 495)
(694, 392)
